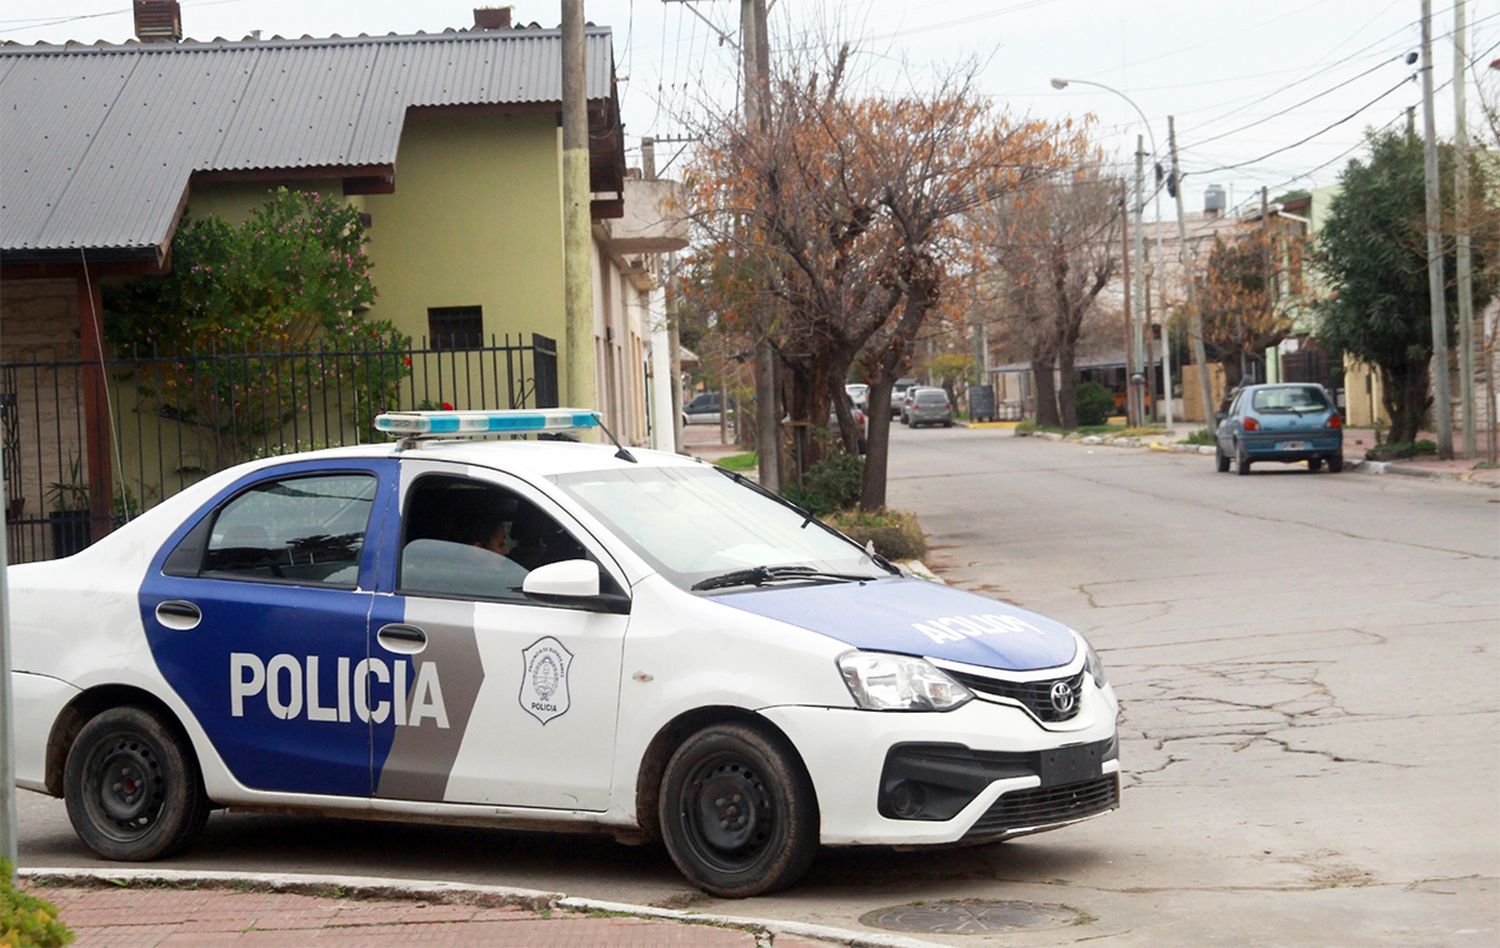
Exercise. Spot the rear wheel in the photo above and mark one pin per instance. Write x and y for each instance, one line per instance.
(1315, 464)
(1336, 464)
(738, 815)
(1241, 459)
(132, 787)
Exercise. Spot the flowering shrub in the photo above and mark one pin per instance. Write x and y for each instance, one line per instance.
(212, 338)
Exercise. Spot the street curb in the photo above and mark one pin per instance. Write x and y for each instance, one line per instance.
(453, 892)
(1359, 465)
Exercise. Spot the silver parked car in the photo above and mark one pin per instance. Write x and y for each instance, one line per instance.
(930, 406)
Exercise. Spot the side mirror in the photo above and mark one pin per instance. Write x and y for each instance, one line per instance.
(573, 583)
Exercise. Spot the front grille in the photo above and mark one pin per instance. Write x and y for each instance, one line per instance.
(1036, 696)
(1024, 809)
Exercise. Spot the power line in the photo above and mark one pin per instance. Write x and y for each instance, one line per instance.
(1305, 140)
(1297, 105)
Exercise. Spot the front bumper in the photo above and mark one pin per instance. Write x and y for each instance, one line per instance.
(983, 763)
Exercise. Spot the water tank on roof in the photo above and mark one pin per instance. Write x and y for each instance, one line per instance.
(1213, 200)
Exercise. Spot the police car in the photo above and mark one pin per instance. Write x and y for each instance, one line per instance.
(540, 633)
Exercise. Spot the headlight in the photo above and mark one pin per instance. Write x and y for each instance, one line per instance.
(881, 682)
(1091, 662)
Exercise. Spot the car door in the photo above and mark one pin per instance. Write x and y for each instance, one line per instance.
(520, 702)
(257, 613)
(1226, 429)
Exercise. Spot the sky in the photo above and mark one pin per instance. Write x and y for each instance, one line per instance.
(1273, 93)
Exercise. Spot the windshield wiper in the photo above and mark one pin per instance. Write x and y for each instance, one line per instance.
(760, 575)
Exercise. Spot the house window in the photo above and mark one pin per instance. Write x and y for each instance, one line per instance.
(455, 327)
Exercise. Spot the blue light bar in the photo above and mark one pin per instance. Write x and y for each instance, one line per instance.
(465, 423)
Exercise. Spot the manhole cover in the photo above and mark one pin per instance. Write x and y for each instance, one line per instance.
(973, 917)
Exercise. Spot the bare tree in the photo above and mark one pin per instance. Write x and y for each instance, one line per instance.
(1054, 248)
(844, 210)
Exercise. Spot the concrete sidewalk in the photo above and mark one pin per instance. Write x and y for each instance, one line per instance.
(1356, 442)
(138, 908)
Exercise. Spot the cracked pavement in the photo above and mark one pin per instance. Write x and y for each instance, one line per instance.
(1308, 669)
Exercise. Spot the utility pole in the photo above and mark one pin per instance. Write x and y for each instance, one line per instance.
(1442, 392)
(1195, 316)
(578, 276)
(1270, 262)
(755, 61)
(1461, 228)
(1131, 418)
(1138, 250)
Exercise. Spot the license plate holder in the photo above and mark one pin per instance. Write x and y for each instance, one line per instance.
(1292, 446)
(1073, 764)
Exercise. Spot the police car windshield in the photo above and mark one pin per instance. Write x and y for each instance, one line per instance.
(692, 523)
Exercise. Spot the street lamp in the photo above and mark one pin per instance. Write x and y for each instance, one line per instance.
(1137, 336)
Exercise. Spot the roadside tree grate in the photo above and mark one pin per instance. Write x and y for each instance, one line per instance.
(973, 917)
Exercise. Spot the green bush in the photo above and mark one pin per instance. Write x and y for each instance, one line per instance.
(831, 484)
(1095, 403)
(1199, 436)
(1399, 450)
(25, 920)
(896, 533)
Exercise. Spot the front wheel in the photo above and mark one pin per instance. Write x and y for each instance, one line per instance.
(1314, 465)
(1221, 460)
(738, 814)
(133, 789)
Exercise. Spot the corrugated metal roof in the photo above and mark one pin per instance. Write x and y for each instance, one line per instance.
(99, 141)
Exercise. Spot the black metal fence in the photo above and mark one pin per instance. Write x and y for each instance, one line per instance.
(174, 419)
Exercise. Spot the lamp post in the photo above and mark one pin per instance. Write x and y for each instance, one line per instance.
(1137, 334)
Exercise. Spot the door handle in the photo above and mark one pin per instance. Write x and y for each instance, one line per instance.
(402, 638)
(178, 614)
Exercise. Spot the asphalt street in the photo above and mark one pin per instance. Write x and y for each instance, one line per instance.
(1307, 665)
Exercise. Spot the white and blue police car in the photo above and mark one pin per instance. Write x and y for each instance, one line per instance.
(539, 633)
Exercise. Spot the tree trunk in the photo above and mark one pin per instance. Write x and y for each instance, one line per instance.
(1233, 376)
(877, 446)
(1067, 394)
(1046, 392)
(1405, 397)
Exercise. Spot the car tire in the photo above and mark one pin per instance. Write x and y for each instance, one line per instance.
(721, 848)
(947, 424)
(132, 786)
(1336, 464)
(1221, 460)
(1314, 465)
(1241, 460)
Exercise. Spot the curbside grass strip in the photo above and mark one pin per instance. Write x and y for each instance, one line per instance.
(490, 896)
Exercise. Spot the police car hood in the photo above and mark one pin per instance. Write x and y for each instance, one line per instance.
(916, 617)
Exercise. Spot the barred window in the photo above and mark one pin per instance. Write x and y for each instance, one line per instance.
(455, 327)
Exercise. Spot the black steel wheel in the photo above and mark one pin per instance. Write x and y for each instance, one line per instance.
(1241, 459)
(738, 814)
(133, 789)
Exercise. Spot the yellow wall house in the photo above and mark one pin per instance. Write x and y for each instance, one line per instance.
(449, 144)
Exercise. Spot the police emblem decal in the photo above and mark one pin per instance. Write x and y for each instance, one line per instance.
(544, 679)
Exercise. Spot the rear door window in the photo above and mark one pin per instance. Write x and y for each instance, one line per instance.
(305, 530)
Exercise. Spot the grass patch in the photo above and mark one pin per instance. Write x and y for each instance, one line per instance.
(740, 462)
(896, 533)
(1400, 450)
(1200, 436)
